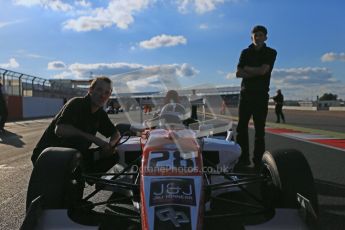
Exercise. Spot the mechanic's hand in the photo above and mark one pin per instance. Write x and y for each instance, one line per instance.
(107, 150)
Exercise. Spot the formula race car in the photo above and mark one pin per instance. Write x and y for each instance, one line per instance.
(172, 175)
(175, 170)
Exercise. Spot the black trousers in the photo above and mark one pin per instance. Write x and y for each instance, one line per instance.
(194, 114)
(252, 104)
(279, 112)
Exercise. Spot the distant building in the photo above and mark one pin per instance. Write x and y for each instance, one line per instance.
(331, 103)
(306, 103)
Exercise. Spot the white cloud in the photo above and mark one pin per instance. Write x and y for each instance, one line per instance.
(331, 56)
(36, 56)
(303, 76)
(203, 26)
(84, 23)
(306, 83)
(56, 65)
(83, 3)
(3, 24)
(231, 75)
(27, 2)
(129, 77)
(118, 12)
(186, 70)
(85, 70)
(163, 41)
(154, 78)
(64, 75)
(12, 63)
(200, 6)
(131, 69)
(56, 5)
(84, 17)
(26, 54)
(149, 84)
(302, 83)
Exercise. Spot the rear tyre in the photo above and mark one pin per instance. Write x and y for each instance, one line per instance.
(56, 177)
(290, 174)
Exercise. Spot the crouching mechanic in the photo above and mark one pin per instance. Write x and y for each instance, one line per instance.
(76, 125)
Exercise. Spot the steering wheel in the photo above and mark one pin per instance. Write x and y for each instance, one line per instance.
(172, 114)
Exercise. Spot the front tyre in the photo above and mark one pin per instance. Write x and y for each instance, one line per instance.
(290, 174)
(56, 177)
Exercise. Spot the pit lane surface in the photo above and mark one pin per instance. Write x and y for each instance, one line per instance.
(327, 163)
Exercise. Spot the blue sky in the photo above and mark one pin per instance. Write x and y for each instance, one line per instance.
(198, 41)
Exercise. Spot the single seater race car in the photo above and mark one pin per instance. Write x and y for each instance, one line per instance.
(172, 176)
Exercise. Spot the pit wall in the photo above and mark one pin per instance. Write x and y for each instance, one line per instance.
(32, 107)
(311, 108)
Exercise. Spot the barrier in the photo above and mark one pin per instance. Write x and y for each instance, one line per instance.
(338, 108)
(309, 108)
(34, 107)
(15, 108)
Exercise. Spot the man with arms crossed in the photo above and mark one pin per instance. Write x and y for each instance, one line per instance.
(254, 67)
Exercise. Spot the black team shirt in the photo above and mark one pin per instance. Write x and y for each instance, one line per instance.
(76, 112)
(256, 58)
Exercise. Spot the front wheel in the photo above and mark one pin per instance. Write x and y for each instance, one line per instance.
(56, 177)
(289, 174)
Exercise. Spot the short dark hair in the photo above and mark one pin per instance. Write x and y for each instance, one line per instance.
(258, 28)
(102, 78)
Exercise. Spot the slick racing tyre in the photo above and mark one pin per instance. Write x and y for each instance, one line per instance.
(290, 174)
(56, 177)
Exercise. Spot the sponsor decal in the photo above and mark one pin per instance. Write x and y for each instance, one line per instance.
(172, 217)
(172, 191)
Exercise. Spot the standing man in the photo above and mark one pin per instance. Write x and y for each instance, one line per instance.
(194, 102)
(3, 109)
(254, 67)
(279, 101)
(77, 123)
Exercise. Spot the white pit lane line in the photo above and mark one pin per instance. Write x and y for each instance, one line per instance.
(304, 137)
(308, 137)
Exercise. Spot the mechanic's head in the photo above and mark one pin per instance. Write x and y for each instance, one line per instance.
(100, 91)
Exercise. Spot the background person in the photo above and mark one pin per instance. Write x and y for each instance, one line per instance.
(3, 108)
(193, 100)
(254, 67)
(279, 102)
(170, 97)
(223, 107)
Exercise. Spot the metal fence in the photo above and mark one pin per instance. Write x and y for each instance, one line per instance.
(20, 84)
